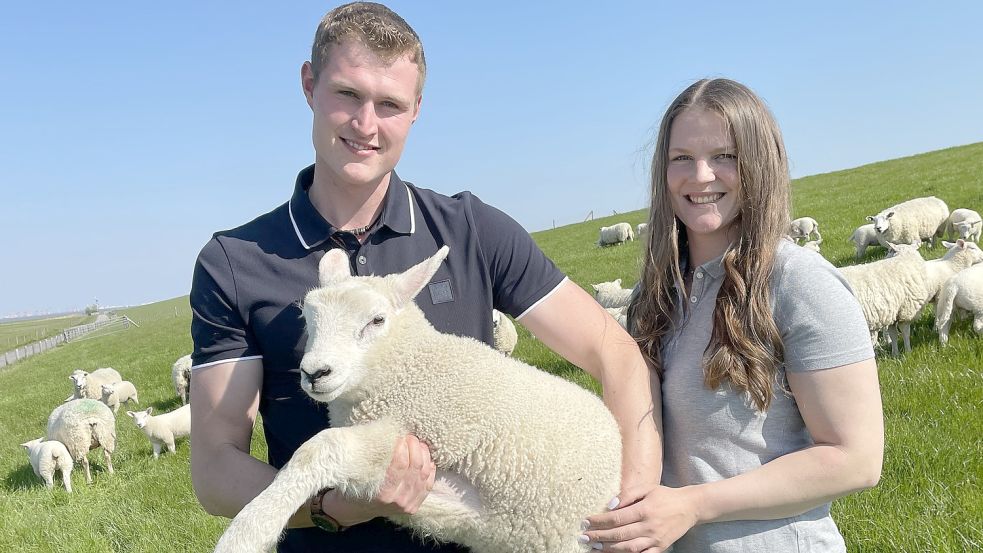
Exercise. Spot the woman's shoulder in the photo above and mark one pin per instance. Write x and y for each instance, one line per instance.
(795, 265)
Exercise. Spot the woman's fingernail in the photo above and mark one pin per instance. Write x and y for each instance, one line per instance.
(583, 539)
(597, 546)
(584, 525)
(613, 503)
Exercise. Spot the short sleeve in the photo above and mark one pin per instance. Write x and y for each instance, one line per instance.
(521, 273)
(218, 329)
(821, 323)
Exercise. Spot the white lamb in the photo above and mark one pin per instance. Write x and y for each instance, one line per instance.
(641, 228)
(911, 222)
(181, 376)
(961, 255)
(115, 393)
(163, 429)
(89, 385)
(48, 457)
(522, 456)
(813, 245)
(864, 236)
(506, 336)
(611, 294)
(803, 228)
(619, 314)
(891, 292)
(962, 292)
(82, 425)
(615, 234)
(964, 223)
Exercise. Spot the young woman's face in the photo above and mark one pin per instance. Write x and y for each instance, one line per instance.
(704, 183)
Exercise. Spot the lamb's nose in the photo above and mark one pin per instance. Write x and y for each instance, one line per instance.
(319, 374)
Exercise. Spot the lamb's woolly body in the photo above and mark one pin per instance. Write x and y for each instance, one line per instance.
(959, 257)
(619, 314)
(119, 392)
(803, 228)
(912, 221)
(84, 424)
(891, 292)
(964, 223)
(50, 456)
(615, 234)
(641, 228)
(89, 384)
(611, 294)
(963, 292)
(181, 376)
(504, 332)
(162, 430)
(864, 236)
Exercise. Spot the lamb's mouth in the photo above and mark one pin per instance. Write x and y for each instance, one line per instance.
(320, 390)
(700, 199)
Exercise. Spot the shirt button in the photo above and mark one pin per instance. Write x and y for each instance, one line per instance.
(699, 274)
(692, 299)
(362, 260)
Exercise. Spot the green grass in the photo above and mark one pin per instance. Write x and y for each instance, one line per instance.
(18, 333)
(929, 498)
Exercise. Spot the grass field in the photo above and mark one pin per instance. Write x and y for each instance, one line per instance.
(929, 498)
(18, 333)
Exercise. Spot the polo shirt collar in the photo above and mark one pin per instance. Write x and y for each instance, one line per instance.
(714, 267)
(398, 211)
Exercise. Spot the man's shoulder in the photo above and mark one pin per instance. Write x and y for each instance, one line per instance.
(270, 221)
(270, 231)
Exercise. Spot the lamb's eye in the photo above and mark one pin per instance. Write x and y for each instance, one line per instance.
(378, 320)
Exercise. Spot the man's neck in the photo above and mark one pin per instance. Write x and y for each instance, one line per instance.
(348, 206)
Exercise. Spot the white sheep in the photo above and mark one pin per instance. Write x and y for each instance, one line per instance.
(891, 292)
(803, 228)
(522, 456)
(163, 429)
(82, 425)
(960, 255)
(963, 292)
(615, 234)
(181, 376)
(48, 457)
(911, 222)
(619, 314)
(964, 223)
(641, 228)
(813, 245)
(611, 294)
(505, 334)
(864, 236)
(115, 393)
(89, 385)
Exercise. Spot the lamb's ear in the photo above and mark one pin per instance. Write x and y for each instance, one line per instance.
(408, 284)
(889, 214)
(131, 414)
(333, 267)
(947, 245)
(870, 218)
(617, 281)
(961, 243)
(150, 410)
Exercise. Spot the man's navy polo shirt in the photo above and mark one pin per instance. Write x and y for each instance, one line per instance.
(248, 284)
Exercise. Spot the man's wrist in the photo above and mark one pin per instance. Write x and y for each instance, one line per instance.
(319, 517)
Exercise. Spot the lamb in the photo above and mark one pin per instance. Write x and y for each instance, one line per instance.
(813, 245)
(89, 385)
(163, 429)
(181, 376)
(803, 228)
(891, 292)
(82, 425)
(119, 392)
(964, 223)
(522, 456)
(506, 336)
(615, 234)
(611, 294)
(641, 228)
(48, 457)
(961, 255)
(963, 292)
(619, 314)
(864, 236)
(911, 221)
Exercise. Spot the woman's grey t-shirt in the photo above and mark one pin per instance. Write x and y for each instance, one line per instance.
(711, 435)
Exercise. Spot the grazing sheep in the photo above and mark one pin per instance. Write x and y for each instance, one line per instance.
(181, 376)
(615, 234)
(48, 457)
(803, 228)
(163, 429)
(964, 223)
(522, 456)
(506, 336)
(963, 292)
(611, 294)
(82, 425)
(813, 245)
(641, 228)
(89, 385)
(115, 393)
(961, 255)
(891, 292)
(911, 222)
(864, 236)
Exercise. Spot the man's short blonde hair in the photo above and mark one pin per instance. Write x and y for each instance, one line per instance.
(373, 25)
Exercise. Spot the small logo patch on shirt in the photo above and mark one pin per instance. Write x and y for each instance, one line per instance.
(440, 292)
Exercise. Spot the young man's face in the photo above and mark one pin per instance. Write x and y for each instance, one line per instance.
(363, 110)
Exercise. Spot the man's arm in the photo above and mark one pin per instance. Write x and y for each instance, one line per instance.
(575, 326)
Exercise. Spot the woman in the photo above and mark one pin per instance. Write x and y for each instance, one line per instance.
(771, 406)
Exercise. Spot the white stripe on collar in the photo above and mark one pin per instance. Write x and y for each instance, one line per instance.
(290, 211)
(293, 221)
(412, 213)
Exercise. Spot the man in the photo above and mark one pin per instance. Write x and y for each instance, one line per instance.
(363, 85)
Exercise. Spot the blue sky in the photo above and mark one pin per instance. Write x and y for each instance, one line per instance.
(129, 132)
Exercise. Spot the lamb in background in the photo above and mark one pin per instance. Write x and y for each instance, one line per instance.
(506, 336)
(615, 234)
(115, 393)
(641, 228)
(964, 223)
(963, 292)
(864, 236)
(82, 425)
(961, 255)
(48, 457)
(522, 456)
(611, 294)
(181, 376)
(803, 228)
(813, 245)
(911, 222)
(89, 385)
(162, 430)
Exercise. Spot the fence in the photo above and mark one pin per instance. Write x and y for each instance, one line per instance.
(112, 324)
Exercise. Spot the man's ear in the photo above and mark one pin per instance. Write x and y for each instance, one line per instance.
(307, 82)
(416, 108)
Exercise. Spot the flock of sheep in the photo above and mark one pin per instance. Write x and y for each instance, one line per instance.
(892, 291)
(87, 420)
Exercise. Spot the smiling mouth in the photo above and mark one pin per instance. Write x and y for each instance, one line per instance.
(358, 146)
(704, 198)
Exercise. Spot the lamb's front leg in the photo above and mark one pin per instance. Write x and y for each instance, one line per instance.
(352, 457)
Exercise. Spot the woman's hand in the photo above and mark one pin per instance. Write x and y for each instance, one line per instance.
(644, 520)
